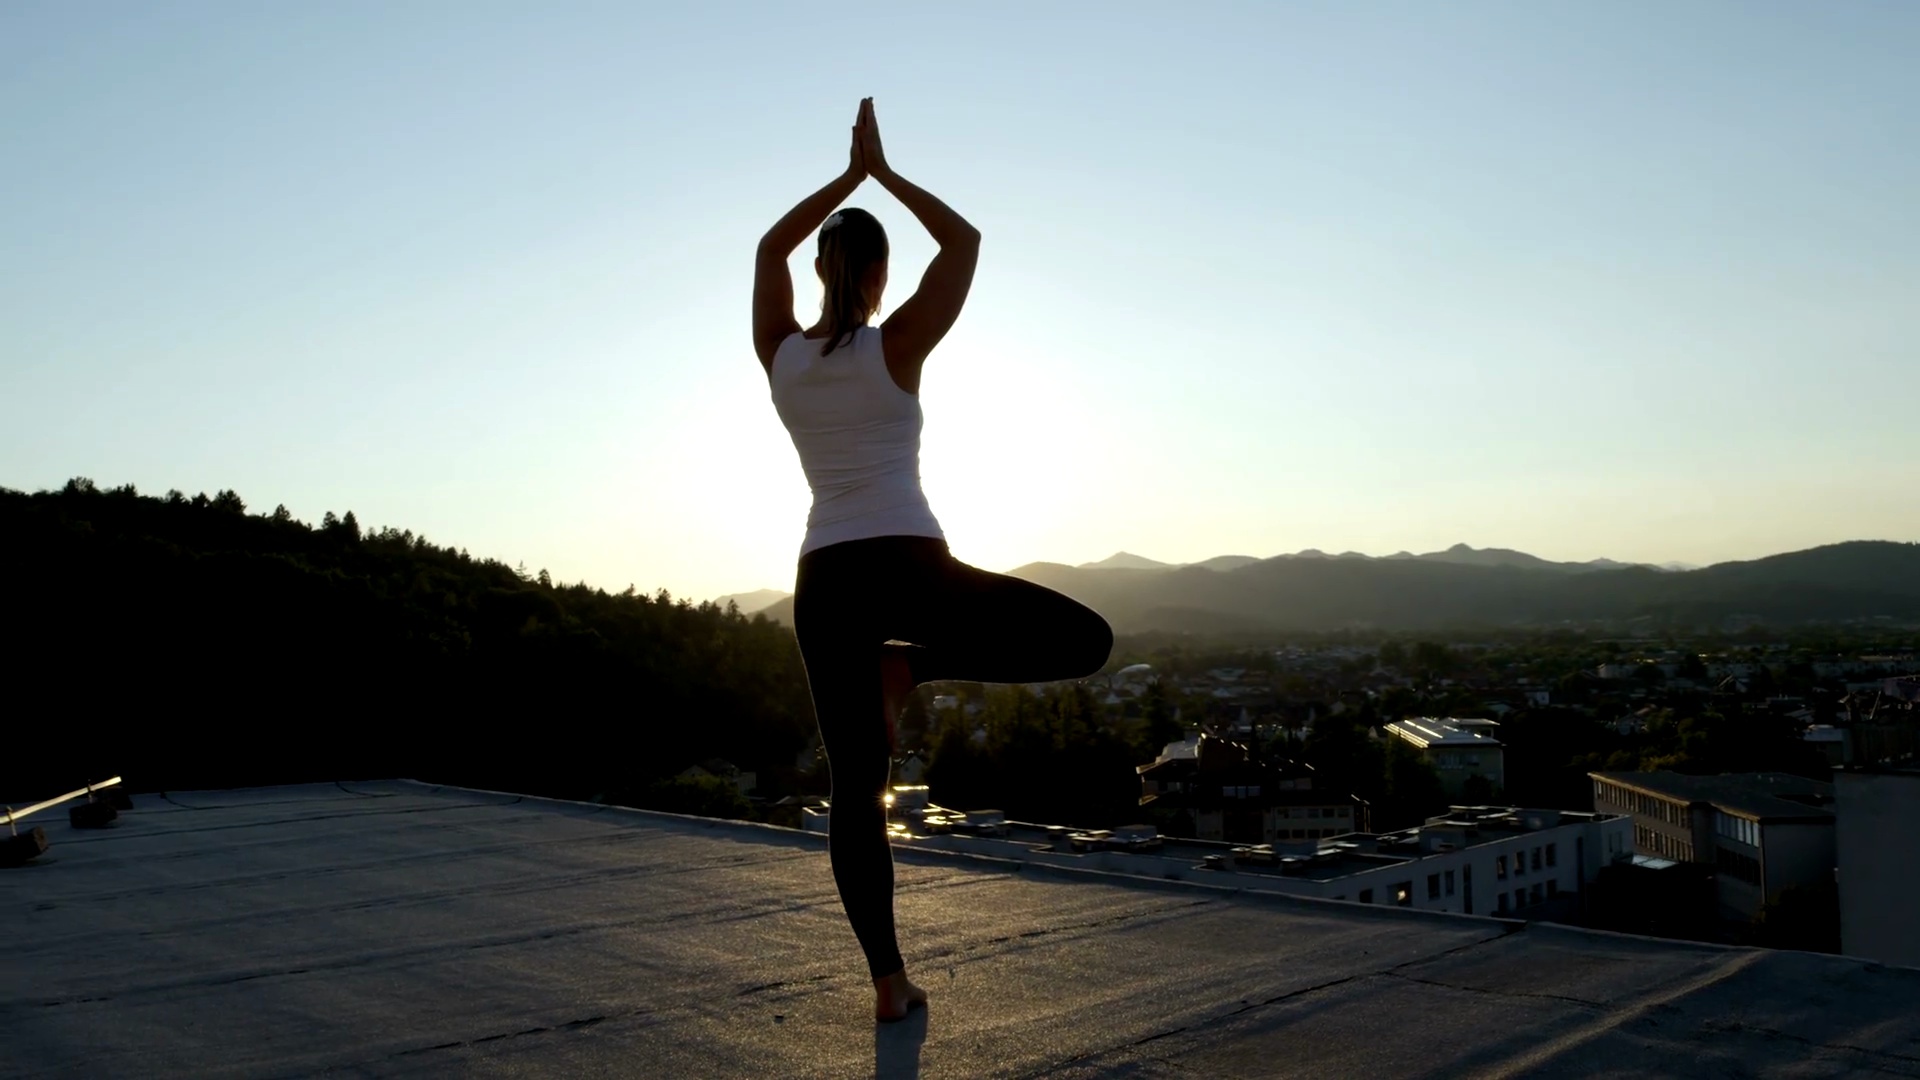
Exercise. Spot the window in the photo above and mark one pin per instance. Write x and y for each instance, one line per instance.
(1503, 903)
(1520, 864)
(1737, 864)
(1366, 896)
(1551, 861)
(1537, 893)
(1449, 883)
(1536, 860)
(1500, 868)
(1313, 811)
(1433, 886)
(1519, 898)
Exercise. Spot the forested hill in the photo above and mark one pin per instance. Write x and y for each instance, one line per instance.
(187, 642)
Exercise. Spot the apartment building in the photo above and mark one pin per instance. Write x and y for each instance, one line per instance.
(1458, 749)
(1761, 833)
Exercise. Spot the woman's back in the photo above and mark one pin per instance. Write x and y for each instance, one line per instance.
(858, 436)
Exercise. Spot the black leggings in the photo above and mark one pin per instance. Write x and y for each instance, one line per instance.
(849, 600)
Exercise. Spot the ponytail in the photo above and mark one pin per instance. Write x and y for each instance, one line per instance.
(851, 243)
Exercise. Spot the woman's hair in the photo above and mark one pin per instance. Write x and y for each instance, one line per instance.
(851, 244)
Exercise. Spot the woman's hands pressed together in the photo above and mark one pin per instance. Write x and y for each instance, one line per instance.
(866, 135)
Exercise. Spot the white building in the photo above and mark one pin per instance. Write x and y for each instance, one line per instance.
(1876, 814)
(1457, 748)
(1471, 860)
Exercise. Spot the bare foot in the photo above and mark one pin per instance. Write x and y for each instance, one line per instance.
(895, 997)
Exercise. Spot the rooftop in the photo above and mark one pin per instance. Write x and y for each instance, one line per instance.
(396, 929)
(1766, 796)
(1425, 731)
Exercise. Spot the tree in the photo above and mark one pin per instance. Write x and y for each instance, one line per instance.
(705, 796)
(1433, 659)
(1477, 791)
(229, 501)
(350, 527)
(1393, 655)
(1413, 789)
(1157, 713)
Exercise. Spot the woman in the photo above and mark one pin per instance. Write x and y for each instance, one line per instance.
(880, 605)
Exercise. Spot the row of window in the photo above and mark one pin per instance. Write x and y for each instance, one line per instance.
(1552, 858)
(1737, 828)
(1643, 805)
(1433, 884)
(1402, 893)
(1311, 812)
(1526, 897)
(1737, 864)
(1443, 885)
(1654, 842)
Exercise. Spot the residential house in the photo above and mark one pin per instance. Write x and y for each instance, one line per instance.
(1459, 749)
(1232, 797)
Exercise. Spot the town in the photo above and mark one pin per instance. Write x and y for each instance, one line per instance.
(1753, 793)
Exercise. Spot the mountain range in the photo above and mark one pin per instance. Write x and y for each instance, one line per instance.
(1458, 553)
(1480, 587)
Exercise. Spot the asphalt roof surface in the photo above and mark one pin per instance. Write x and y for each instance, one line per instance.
(395, 929)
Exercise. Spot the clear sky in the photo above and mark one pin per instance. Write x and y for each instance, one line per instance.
(1637, 280)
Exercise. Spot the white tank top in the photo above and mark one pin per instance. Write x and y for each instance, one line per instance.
(858, 435)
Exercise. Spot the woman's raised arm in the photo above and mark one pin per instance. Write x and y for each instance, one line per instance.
(773, 319)
(916, 326)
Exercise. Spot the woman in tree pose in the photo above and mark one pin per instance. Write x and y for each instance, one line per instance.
(880, 605)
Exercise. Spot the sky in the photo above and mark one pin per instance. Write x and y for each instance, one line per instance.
(1637, 280)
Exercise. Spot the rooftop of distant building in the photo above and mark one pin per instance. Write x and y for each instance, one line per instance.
(1427, 731)
(1766, 796)
(398, 929)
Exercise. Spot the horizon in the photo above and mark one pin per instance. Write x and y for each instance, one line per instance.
(1626, 283)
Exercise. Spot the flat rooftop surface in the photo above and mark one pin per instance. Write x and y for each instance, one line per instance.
(396, 929)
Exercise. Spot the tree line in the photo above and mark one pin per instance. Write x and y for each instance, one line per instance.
(186, 642)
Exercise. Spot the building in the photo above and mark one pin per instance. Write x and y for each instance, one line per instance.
(1472, 860)
(1876, 818)
(1459, 750)
(1233, 798)
(1762, 833)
